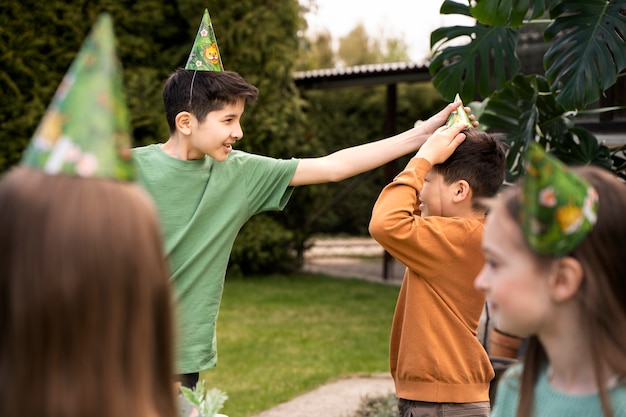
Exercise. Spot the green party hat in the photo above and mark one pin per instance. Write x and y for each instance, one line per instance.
(86, 129)
(559, 207)
(205, 55)
(459, 115)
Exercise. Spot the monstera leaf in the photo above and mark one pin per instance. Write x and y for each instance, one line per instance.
(587, 49)
(581, 147)
(507, 12)
(524, 113)
(586, 53)
(475, 68)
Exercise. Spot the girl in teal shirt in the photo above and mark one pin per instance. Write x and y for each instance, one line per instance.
(554, 272)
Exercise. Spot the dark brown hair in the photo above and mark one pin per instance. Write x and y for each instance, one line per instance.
(480, 160)
(602, 295)
(212, 90)
(85, 301)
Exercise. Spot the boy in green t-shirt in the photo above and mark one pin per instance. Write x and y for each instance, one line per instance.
(205, 191)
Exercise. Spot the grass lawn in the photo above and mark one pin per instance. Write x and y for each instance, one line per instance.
(281, 336)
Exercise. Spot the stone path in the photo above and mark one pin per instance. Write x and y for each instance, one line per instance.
(341, 398)
(351, 258)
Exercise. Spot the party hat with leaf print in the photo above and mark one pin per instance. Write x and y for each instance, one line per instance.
(205, 55)
(559, 207)
(459, 115)
(86, 129)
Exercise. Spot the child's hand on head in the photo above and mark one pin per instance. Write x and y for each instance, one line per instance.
(442, 143)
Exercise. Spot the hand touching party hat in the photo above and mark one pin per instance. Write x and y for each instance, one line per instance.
(559, 207)
(85, 130)
(205, 55)
(459, 115)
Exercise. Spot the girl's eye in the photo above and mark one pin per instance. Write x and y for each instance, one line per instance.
(491, 262)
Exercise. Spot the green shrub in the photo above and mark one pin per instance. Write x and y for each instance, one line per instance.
(262, 246)
(381, 406)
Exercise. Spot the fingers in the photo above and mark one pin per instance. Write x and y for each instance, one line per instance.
(451, 135)
(442, 143)
(458, 139)
(457, 128)
(453, 106)
(472, 118)
(451, 131)
(449, 109)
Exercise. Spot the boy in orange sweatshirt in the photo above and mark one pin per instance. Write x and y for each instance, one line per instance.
(430, 219)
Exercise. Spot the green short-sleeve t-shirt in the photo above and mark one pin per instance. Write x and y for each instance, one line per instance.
(202, 205)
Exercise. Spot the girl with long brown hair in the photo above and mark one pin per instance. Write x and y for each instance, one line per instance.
(85, 304)
(554, 271)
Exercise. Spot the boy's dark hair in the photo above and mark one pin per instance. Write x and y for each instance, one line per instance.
(480, 160)
(212, 90)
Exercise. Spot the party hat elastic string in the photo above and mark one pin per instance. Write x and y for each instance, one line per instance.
(191, 88)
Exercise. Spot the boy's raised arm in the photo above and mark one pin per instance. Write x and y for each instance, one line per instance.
(358, 159)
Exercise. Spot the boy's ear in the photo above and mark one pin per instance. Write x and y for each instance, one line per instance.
(183, 122)
(566, 279)
(462, 191)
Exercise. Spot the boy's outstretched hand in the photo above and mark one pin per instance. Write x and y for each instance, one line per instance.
(439, 119)
(441, 144)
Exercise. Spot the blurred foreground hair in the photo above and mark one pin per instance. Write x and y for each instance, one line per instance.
(85, 301)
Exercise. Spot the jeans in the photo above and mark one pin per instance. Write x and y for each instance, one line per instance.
(188, 380)
(409, 408)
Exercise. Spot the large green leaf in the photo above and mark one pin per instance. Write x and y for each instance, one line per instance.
(524, 111)
(454, 7)
(474, 69)
(581, 147)
(507, 12)
(587, 51)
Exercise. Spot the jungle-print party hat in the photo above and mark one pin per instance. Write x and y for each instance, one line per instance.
(205, 55)
(459, 115)
(559, 207)
(86, 129)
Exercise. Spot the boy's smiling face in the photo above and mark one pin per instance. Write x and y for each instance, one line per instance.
(217, 134)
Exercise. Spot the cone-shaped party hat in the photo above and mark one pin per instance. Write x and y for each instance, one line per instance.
(459, 115)
(559, 207)
(205, 55)
(85, 130)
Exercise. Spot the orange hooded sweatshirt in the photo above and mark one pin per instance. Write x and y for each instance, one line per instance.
(435, 355)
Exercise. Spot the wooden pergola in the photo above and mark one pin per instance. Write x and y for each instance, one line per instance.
(390, 75)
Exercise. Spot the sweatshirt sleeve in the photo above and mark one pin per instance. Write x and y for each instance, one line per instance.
(425, 245)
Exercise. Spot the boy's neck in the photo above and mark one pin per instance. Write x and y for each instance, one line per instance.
(470, 213)
(464, 209)
(179, 149)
